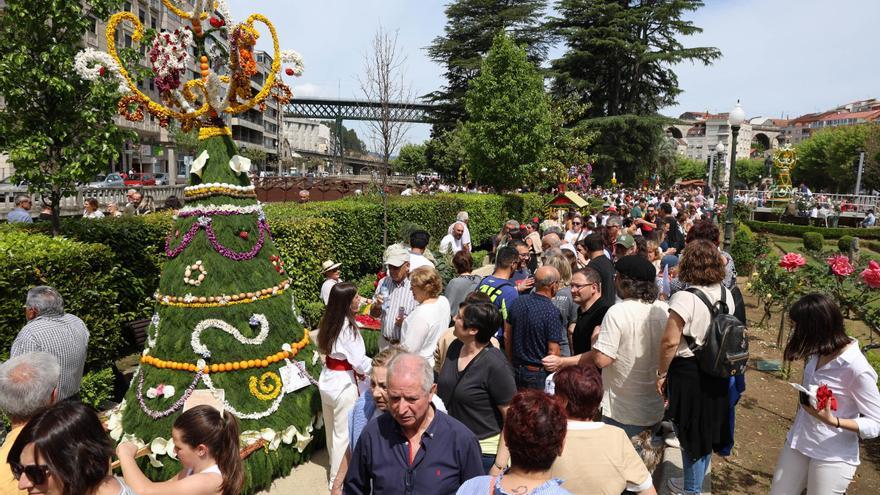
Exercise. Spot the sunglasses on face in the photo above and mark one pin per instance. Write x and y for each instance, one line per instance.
(36, 473)
(576, 223)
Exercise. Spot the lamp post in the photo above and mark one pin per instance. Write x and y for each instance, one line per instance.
(719, 150)
(736, 118)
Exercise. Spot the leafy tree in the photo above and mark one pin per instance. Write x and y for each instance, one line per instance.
(470, 28)
(688, 168)
(569, 146)
(350, 140)
(871, 172)
(749, 170)
(829, 159)
(57, 128)
(257, 157)
(509, 119)
(411, 159)
(619, 60)
(447, 153)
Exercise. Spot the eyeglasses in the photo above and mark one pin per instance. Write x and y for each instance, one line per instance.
(37, 473)
(577, 287)
(576, 223)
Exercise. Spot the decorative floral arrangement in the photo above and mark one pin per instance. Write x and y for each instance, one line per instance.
(93, 65)
(792, 261)
(190, 300)
(263, 389)
(223, 210)
(840, 265)
(177, 404)
(187, 274)
(205, 222)
(170, 57)
(824, 396)
(161, 390)
(871, 275)
(277, 263)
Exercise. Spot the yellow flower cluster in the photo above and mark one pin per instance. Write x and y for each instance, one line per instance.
(182, 13)
(264, 390)
(209, 132)
(218, 191)
(215, 301)
(230, 366)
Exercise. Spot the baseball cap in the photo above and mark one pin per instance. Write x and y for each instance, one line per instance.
(396, 255)
(626, 241)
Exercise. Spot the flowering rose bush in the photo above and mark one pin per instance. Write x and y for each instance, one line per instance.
(871, 275)
(792, 261)
(840, 265)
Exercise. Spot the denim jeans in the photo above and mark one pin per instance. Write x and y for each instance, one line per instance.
(694, 471)
(526, 378)
(488, 462)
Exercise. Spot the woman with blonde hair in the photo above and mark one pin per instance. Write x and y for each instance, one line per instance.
(429, 320)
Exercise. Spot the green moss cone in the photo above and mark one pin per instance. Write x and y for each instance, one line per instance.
(174, 334)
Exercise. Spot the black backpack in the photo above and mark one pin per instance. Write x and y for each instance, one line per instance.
(725, 350)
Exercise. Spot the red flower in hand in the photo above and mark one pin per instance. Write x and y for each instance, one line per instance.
(379, 276)
(871, 275)
(823, 396)
(792, 261)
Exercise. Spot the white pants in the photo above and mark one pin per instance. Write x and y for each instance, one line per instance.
(795, 471)
(335, 411)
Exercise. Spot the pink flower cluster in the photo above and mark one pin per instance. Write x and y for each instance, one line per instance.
(792, 261)
(169, 58)
(871, 275)
(840, 265)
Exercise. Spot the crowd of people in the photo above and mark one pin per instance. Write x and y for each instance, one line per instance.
(136, 204)
(563, 365)
(571, 359)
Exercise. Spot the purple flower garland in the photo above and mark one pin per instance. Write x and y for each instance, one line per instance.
(177, 405)
(206, 223)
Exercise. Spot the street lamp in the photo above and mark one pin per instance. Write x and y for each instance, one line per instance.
(719, 150)
(736, 118)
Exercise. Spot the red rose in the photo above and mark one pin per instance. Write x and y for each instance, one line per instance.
(289, 71)
(792, 261)
(823, 396)
(871, 275)
(216, 23)
(840, 265)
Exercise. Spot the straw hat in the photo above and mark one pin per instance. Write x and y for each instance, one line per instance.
(329, 266)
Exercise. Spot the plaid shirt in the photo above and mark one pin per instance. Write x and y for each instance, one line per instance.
(65, 336)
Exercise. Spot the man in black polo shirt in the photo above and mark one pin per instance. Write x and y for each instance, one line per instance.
(595, 244)
(586, 290)
(535, 329)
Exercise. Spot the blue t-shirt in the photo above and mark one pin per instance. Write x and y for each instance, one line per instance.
(534, 321)
(502, 293)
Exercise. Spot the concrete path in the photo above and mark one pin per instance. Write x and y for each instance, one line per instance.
(310, 478)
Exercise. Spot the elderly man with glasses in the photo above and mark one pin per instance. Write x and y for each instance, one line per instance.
(21, 212)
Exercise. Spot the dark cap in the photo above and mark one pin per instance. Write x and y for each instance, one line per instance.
(636, 267)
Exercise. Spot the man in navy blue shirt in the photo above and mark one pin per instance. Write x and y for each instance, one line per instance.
(413, 448)
(535, 329)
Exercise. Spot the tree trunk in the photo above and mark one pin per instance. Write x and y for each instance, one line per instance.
(385, 200)
(55, 203)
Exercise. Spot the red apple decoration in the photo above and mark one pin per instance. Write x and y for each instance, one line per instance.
(289, 71)
(243, 234)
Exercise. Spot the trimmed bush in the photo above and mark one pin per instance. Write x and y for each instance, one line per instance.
(86, 275)
(747, 248)
(813, 241)
(789, 230)
(844, 244)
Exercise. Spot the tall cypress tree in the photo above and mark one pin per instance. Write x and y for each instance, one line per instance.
(619, 61)
(470, 28)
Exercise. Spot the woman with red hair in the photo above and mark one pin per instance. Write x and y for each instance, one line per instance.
(598, 458)
(534, 432)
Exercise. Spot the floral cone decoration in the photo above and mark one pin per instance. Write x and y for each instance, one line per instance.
(871, 275)
(225, 318)
(792, 261)
(840, 265)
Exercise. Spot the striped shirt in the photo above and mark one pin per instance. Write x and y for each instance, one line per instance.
(64, 336)
(399, 296)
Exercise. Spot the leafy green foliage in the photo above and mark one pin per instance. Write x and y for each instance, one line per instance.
(470, 28)
(829, 159)
(813, 241)
(749, 170)
(96, 387)
(258, 157)
(32, 259)
(626, 145)
(411, 159)
(747, 248)
(844, 244)
(447, 153)
(689, 168)
(350, 140)
(509, 119)
(57, 128)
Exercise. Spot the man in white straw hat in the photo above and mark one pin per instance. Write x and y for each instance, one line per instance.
(331, 274)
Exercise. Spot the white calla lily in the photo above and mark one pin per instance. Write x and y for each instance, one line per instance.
(199, 163)
(159, 446)
(289, 434)
(239, 164)
(250, 437)
(156, 463)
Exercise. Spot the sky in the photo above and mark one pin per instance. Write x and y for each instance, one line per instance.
(779, 57)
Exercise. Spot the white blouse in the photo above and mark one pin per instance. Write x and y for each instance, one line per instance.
(853, 382)
(349, 346)
(423, 327)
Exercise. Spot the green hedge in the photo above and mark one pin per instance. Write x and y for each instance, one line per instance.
(844, 244)
(87, 277)
(798, 230)
(747, 248)
(813, 241)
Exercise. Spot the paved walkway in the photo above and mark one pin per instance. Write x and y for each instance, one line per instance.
(310, 478)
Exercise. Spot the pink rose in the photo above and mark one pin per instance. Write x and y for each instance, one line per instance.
(840, 265)
(871, 275)
(792, 261)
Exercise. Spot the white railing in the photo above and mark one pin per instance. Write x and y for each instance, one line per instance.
(853, 203)
(73, 205)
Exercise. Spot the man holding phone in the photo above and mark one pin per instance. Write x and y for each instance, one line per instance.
(522, 277)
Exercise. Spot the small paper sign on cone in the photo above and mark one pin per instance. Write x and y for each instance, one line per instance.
(213, 398)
